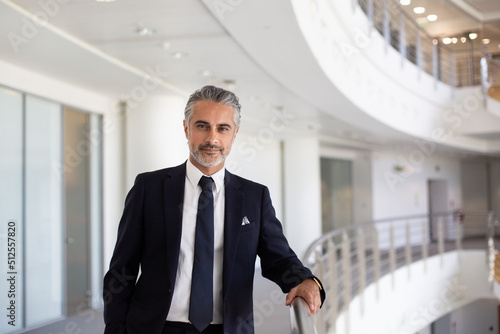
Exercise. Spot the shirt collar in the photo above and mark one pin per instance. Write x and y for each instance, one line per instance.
(194, 175)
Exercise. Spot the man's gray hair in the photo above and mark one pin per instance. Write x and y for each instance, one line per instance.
(217, 95)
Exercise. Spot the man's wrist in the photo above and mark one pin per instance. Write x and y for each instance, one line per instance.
(317, 283)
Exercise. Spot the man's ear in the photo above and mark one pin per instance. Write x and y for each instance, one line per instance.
(186, 130)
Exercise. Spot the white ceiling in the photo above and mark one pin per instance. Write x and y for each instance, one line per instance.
(102, 51)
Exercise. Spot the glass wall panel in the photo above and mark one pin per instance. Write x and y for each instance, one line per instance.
(77, 148)
(43, 201)
(11, 210)
(95, 140)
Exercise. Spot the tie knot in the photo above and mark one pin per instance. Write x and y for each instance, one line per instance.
(206, 183)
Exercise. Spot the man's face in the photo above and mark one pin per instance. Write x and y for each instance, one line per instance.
(210, 133)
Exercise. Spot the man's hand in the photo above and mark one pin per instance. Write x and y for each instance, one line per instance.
(308, 290)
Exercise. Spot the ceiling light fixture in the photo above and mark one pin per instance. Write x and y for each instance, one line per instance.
(472, 35)
(435, 41)
(432, 17)
(404, 2)
(419, 10)
(145, 31)
(486, 41)
(454, 40)
(165, 45)
(446, 40)
(206, 73)
(463, 39)
(179, 55)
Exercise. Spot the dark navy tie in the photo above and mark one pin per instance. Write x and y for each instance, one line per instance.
(201, 302)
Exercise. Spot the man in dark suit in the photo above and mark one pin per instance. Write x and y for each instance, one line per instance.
(194, 231)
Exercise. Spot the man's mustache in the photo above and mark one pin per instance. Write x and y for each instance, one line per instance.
(209, 146)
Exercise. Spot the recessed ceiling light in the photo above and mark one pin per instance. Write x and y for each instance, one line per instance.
(179, 55)
(486, 41)
(446, 40)
(454, 40)
(145, 31)
(463, 39)
(419, 10)
(432, 17)
(165, 45)
(206, 73)
(435, 41)
(472, 35)
(404, 2)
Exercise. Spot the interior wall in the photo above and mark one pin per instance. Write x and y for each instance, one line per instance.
(302, 191)
(361, 180)
(480, 316)
(262, 165)
(53, 89)
(402, 193)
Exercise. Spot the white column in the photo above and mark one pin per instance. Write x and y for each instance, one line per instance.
(155, 135)
(302, 192)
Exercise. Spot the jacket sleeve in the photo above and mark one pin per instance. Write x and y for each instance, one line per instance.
(119, 281)
(278, 261)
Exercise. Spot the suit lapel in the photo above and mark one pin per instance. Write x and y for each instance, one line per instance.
(173, 191)
(232, 225)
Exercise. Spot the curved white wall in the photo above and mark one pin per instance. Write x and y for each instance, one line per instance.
(418, 295)
(376, 78)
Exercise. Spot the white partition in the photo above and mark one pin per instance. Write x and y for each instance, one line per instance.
(11, 210)
(43, 207)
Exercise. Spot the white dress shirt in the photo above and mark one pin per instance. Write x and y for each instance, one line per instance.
(179, 310)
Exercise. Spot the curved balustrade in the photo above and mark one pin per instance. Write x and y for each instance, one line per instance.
(400, 31)
(490, 76)
(350, 259)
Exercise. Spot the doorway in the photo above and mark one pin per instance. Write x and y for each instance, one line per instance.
(336, 194)
(438, 207)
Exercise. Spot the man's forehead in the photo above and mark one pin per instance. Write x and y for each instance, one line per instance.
(210, 111)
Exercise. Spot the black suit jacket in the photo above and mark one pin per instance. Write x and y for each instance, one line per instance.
(149, 237)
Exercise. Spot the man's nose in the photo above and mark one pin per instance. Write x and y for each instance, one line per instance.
(212, 137)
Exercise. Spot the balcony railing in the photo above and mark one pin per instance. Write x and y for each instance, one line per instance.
(490, 76)
(301, 318)
(400, 31)
(350, 259)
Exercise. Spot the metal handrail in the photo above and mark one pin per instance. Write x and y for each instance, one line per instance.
(429, 54)
(350, 259)
(301, 318)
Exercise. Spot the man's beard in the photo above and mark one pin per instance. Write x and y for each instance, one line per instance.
(199, 158)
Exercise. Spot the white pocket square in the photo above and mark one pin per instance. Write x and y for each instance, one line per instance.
(245, 221)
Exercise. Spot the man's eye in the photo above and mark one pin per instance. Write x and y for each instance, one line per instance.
(202, 126)
(223, 128)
